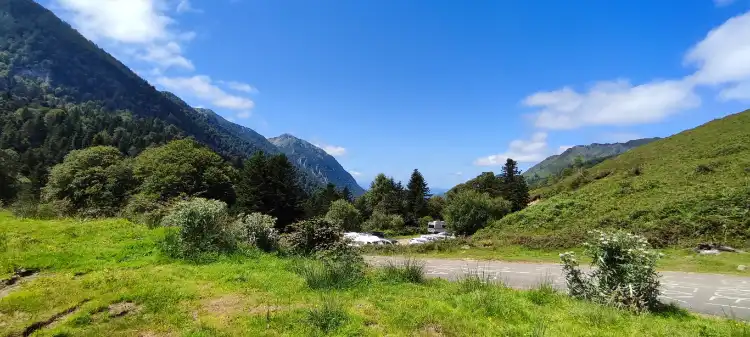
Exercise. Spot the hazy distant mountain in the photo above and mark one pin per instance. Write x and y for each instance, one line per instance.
(317, 162)
(593, 152)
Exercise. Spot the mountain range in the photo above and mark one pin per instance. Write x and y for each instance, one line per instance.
(590, 154)
(45, 61)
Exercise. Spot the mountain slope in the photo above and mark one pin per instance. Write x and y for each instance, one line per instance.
(318, 162)
(44, 61)
(690, 187)
(593, 152)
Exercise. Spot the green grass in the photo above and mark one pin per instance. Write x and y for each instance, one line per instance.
(90, 265)
(677, 191)
(675, 259)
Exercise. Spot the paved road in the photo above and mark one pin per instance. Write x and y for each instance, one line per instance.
(705, 293)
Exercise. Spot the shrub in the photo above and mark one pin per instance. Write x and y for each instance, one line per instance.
(203, 228)
(146, 209)
(623, 272)
(313, 235)
(328, 316)
(408, 270)
(258, 230)
(703, 169)
(469, 211)
(382, 221)
(344, 214)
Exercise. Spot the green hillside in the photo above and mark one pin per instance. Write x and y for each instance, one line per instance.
(589, 153)
(693, 186)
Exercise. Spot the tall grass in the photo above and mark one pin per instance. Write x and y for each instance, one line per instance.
(330, 274)
(408, 270)
(327, 316)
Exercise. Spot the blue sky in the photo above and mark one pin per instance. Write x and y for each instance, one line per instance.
(451, 88)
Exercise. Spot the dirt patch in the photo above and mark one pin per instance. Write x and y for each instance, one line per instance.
(10, 284)
(122, 309)
(226, 305)
(432, 330)
(55, 318)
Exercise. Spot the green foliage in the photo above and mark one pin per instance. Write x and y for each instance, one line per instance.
(314, 235)
(147, 209)
(320, 202)
(96, 181)
(514, 188)
(469, 211)
(344, 215)
(184, 167)
(331, 274)
(382, 221)
(667, 201)
(268, 185)
(328, 316)
(258, 230)
(623, 272)
(10, 178)
(417, 194)
(578, 157)
(408, 270)
(202, 227)
(435, 205)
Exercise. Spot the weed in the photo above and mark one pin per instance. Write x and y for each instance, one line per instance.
(408, 270)
(330, 274)
(327, 316)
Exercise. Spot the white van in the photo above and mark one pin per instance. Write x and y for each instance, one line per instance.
(436, 227)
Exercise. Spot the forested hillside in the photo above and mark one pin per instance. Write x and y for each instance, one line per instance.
(46, 64)
(693, 186)
(587, 154)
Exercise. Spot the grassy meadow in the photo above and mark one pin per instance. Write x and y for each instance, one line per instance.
(109, 278)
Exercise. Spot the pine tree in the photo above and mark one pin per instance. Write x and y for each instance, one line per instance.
(346, 194)
(417, 193)
(514, 188)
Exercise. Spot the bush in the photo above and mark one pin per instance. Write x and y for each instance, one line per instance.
(344, 215)
(624, 272)
(469, 211)
(203, 228)
(146, 209)
(311, 236)
(258, 230)
(382, 221)
(32, 210)
(408, 271)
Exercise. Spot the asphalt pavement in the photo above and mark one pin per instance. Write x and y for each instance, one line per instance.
(712, 294)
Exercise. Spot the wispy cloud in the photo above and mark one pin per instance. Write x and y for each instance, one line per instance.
(336, 151)
(523, 151)
(355, 173)
(184, 6)
(722, 3)
(563, 148)
(239, 86)
(203, 87)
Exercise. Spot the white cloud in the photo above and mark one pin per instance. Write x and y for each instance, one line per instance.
(239, 86)
(522, 151)
(203, 88)
(166, 56)
(136, 27)
(333, 150)
(355, 173)
(620, 137)
(185, 6)
(611, 103)
(244, 114)
(721, 58)
(459, 173)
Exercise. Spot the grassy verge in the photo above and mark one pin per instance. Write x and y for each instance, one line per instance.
(107, 278)
(674, 259)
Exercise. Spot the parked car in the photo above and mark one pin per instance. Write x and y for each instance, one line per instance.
(436, 227)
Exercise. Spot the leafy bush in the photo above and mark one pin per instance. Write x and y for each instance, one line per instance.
(469, 211)
(382, 221)
(203, 228)
(258, 230)
(703, 169)
(311, 236)
(408, 270)
(623, 272)
(328, 316)
(96, 181)
(344, 214)
(147, 209)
